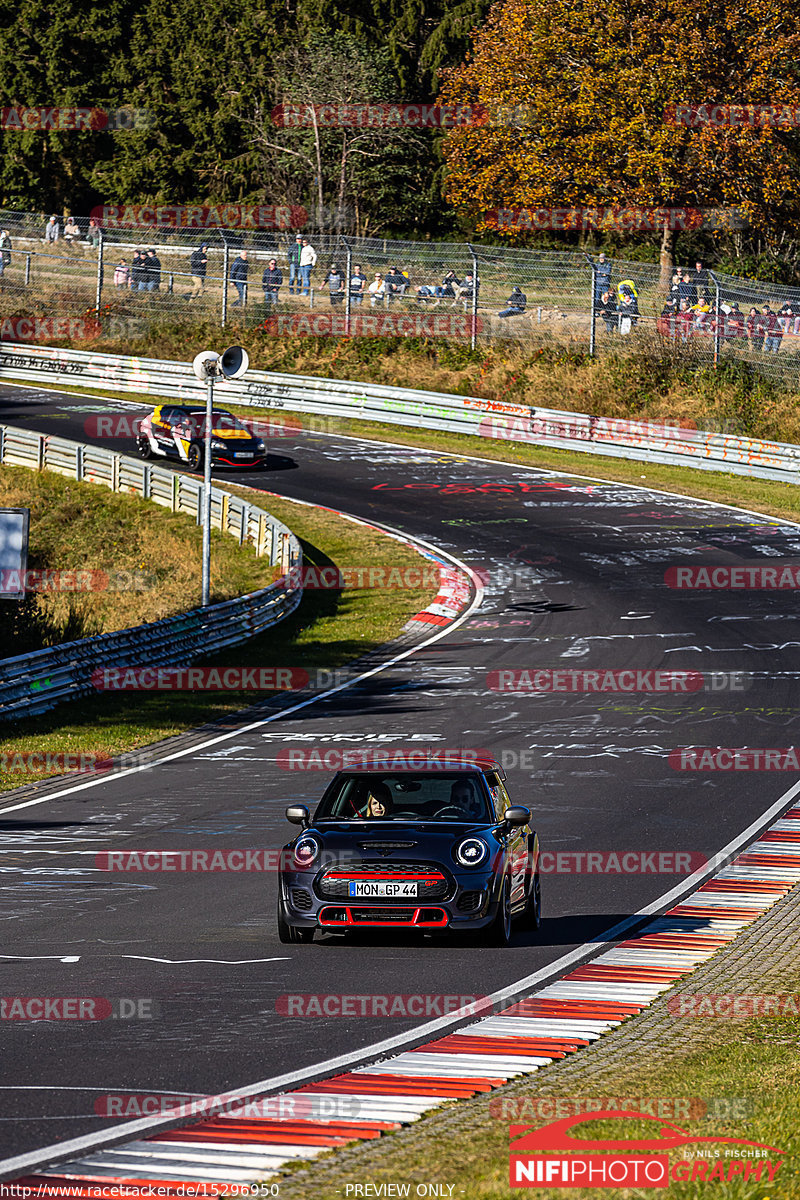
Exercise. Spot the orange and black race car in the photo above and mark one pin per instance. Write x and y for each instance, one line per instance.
(178, 431)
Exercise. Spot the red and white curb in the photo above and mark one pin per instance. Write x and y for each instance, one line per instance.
(454, 595)
(236, 1148)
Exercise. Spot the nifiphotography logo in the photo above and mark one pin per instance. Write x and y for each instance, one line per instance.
(631, 1162)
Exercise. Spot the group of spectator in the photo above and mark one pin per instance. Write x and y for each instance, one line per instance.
(763, 330)
(71, 231)
(143, 274)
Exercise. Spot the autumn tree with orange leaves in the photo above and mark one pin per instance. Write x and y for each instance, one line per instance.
(598, 84)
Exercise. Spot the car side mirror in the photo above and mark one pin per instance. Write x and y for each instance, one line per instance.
(297, 814)
(516, 816)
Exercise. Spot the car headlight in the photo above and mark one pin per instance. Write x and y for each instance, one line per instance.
(260, 445)
(307, 850)
(216, 444)
(471, 852)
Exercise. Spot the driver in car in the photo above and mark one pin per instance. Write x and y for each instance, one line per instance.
(379, 802)
(462, 795)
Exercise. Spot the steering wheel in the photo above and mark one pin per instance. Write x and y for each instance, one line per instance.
(450, 810)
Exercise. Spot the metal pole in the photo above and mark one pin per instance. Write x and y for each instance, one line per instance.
(473, 340)
(593, 310)
(207, 494)
(27, 269)
(99, 292)
(347, 273)
(225, 261)
(716, 319)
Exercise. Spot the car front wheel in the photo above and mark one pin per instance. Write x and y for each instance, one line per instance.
(143, 447)
(532, 916)
(291, 934)
(195, 457)
(499, 932)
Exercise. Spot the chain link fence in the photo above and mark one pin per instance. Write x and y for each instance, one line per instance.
(121, 282)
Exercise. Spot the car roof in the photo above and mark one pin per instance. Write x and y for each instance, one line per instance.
(448, 765)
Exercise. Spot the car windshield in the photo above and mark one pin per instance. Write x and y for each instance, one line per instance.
(444, 796)
(221, 422)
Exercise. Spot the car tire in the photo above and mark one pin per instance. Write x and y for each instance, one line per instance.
(195, 457)
(532, 914)
(291, 934)
(143, 447)
(499, 932)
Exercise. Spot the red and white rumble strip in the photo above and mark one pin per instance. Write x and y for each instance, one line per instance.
(239, 1145)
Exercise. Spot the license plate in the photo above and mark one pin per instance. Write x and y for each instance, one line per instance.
(237, 455)
(382, 887)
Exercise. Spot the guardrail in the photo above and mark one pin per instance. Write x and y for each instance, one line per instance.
(32, 683)
(406, 406)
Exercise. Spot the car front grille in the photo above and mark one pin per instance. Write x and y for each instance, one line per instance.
(469, 901)
(433, 882)
(301, 898)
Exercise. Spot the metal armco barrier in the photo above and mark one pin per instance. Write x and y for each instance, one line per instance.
(35, 682)
(616, 437)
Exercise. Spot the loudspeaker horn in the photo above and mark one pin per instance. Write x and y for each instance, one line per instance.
(234, 362)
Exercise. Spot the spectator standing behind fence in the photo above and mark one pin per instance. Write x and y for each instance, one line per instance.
(198, 266)
(5, 250)
(602, 277)
(377, 290)
(122, 274)
(734, 325)
(628, 310)
(358, 281)
(71, 231)
(516, 304)
(396, 284)
(468, 290)
(700, 279)
(686, 289)
(238, 277)
(52, 230)
(294, 264)
(772, 330)
(607, 309)
(755, 331)
(447, 287)
(308, 260)
(138, 272)
(335, 282)
(152, 268)
(271, 281)
(93, 234)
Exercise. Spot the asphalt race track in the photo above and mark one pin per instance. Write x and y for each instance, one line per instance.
(575, 572)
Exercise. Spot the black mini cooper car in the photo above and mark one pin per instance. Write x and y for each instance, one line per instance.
(431, 849)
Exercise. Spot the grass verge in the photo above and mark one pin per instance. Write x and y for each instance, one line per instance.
(129, 560)
(329, 629)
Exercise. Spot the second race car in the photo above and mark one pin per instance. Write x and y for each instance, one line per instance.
(178, 431)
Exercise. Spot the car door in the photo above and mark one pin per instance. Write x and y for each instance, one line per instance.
(516, 841)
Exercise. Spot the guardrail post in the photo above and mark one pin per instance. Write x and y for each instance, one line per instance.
(27, 269)
(225, 262)
(98, 297)
(716, 319)
(79, 462)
